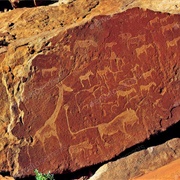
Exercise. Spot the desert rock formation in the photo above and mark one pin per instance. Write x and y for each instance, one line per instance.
(151, 163)
(169, 171)
(6, 178)
(82, 82)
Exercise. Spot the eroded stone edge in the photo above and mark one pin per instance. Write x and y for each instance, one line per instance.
(14, 76)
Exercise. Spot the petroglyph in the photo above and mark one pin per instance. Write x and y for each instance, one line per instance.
(67, 88)
(143, 49)
(50, 70)
(154, 21)
(129, 82)
(141, 38)
(86, 77)
(113, 56)
(110, 45)
(147, 87)
(103, 74)
(90, 90)
(75, 150)
(168, 27)
(119, 123)
(42, 134)
(125, 36)
(172, 43)
(74, 133)
(125, 93)
(148, 74)
(84, 44)
(104, 86)
(164, 20)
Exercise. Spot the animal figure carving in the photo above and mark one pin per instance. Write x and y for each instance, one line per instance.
(119, 123)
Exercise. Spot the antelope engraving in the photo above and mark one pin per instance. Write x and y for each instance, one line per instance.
(86, 77)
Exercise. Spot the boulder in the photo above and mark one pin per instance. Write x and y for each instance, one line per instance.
(150, 163)
(78, 95)
(169, 171)
(6, 178)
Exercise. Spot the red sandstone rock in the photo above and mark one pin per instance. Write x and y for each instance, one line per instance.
(90, 92)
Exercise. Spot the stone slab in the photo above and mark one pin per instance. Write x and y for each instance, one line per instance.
(83, 95)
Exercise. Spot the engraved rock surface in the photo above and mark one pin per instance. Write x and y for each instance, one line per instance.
(80, 95)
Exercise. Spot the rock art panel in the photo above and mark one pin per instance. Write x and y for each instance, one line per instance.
(94, 90)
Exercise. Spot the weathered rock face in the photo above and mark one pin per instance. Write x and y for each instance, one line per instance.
(142, 162)
(80, 96)
(6, 178)
(169, 171)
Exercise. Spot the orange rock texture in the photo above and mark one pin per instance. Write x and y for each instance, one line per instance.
(142, 161)
(171, 172)
(6, 178)
(78, 94)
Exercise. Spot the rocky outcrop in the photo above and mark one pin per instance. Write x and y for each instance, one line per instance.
(79, 94)
(142, 162)
(169, 171)
(6, 178)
